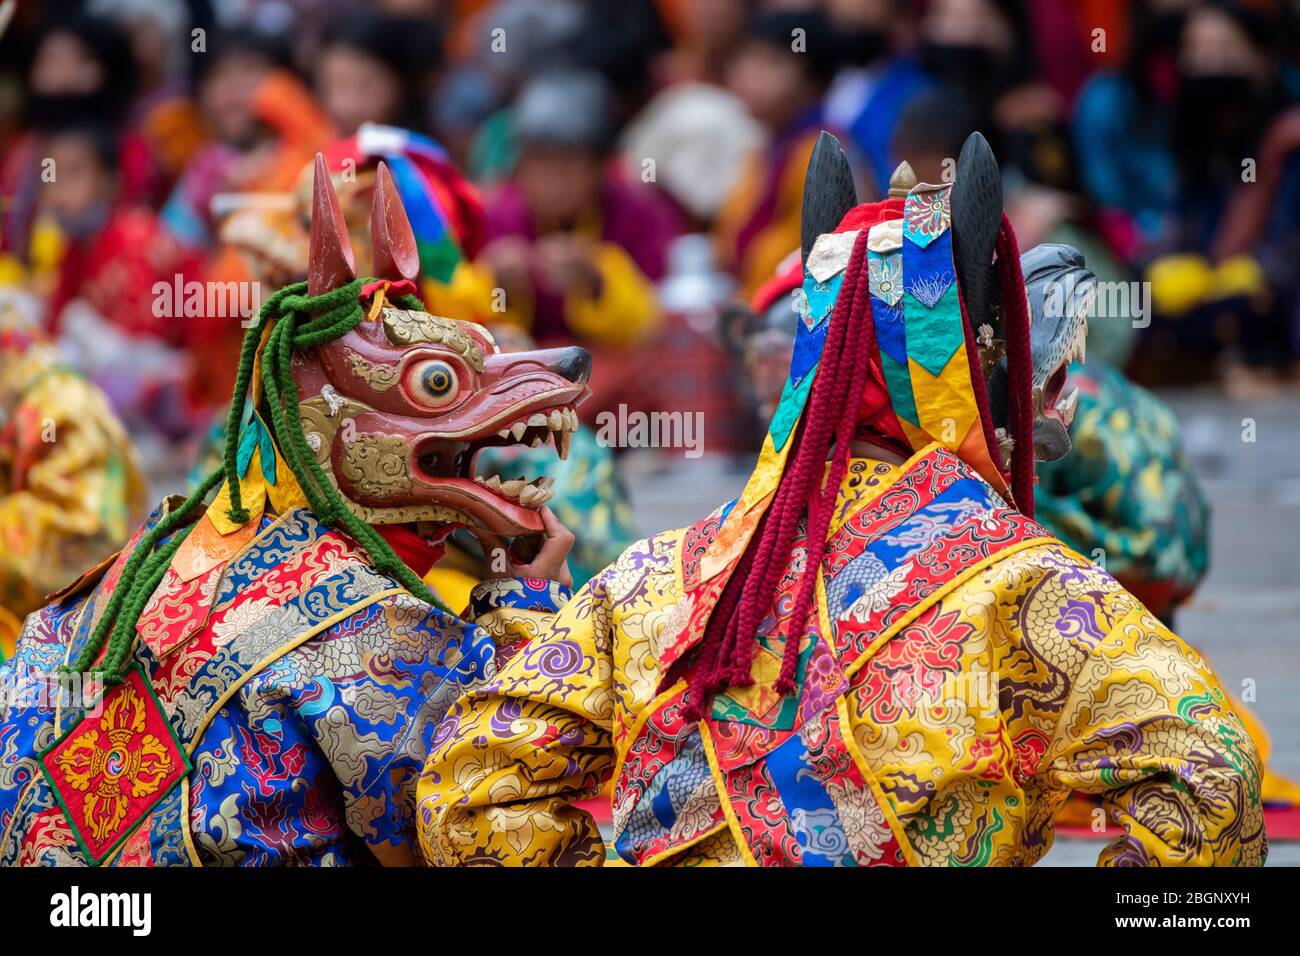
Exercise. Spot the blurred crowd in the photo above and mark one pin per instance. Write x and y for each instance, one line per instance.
(625, 175)
(632, 167)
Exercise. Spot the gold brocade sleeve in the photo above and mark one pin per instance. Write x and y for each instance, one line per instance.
(511, 758)
(515, 610)
(74, 488)
(1148, 727)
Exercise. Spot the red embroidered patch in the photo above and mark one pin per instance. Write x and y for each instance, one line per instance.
(110, 770)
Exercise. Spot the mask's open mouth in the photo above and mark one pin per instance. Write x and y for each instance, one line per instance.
(498, 503)
(1051, 405)
(1055, 406)
(1053, 418)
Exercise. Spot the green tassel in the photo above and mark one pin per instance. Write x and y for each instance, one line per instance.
(300, 322)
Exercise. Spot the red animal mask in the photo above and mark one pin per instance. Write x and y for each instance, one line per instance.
(397, 409)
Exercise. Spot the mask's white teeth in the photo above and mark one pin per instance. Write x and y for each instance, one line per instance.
(534, 495)
(530, 494)
(537, 440)
(504, 433)
(556, 420)
(1078, 348)
(537, 420)
(571, 419)
(562, 445)
(517, 430)
(1067, 406)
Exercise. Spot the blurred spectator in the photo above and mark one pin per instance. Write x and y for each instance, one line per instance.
(573, 244)
(264, 125)
(1123, 125)
(986, 49)
(1064, 51)
(1228, 97)
(112, 250)
(698, 138)
(164, 113)
(875, 82)
(105, 305)
(1222, 269)
(1043, 204)
(517, 39)
(522, 39)
(983, 47)
(931, 130)
(81, 69)
(621, 42)
(544, 225)
(781, 73)
(378, 69)
(707, 34)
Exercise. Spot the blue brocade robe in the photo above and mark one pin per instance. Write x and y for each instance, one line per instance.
(300, 691)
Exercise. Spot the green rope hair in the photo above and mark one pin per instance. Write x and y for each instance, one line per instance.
(301, 321)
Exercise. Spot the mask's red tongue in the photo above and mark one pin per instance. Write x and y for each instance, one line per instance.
(417, 553)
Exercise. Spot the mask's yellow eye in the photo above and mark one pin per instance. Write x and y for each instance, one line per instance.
(433, 383)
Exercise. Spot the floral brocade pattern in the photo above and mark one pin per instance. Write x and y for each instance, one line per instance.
(304, 690)
(962, 727)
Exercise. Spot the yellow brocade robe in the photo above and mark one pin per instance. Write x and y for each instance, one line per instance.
(70, 485)
(1028, 675)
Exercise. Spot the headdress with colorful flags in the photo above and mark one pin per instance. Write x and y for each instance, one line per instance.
(444, 208)
(884, 276)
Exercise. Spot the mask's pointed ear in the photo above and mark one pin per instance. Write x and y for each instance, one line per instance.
(976, 219)
(330, 262)
(828, 192)
(392, 243)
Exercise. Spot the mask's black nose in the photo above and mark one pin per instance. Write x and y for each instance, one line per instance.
(573, 363)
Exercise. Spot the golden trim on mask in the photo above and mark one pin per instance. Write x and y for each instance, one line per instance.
(376, 465)
(419, 328)
(378, 376)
